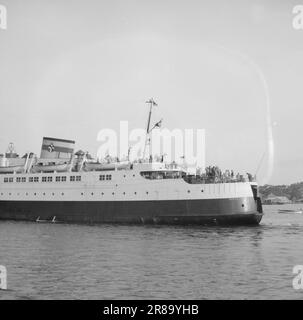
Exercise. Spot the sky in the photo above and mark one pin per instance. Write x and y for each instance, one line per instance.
(234, 68)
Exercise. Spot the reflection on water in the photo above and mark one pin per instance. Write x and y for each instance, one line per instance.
(47, 261)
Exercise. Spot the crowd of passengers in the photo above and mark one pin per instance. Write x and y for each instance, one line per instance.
(213, 174)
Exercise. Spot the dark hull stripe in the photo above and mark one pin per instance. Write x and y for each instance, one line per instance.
(58, 149)
(58, 140)
(210, 211)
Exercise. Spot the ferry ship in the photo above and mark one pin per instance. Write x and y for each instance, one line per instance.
(63, 186)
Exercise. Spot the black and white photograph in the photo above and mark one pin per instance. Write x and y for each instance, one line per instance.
(151, 151)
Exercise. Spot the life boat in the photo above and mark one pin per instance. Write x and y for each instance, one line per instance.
(97, 166)
(11, 169)
(63, 167)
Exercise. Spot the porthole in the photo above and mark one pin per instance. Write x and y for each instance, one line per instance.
(146, 192)
(53, 194)
(242, 205)
(102, 193)
(202, 190)
(135, 192)
(62, 194)
(124, 193)
(81, 193)
(92, 193)
(188, 191)
(113, 193)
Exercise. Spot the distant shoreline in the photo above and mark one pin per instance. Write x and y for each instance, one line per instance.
(282, 194)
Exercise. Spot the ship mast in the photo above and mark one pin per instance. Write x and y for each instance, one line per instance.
(151, 103)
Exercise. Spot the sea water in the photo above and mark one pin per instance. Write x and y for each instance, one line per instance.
(69, 261)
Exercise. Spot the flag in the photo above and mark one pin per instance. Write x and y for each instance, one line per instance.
(152, 102)
(158, 124)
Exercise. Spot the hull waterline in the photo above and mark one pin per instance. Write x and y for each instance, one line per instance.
(200, 212)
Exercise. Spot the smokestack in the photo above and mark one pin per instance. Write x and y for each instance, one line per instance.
(53, 148)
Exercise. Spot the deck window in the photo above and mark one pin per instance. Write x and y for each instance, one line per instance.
(58, 179)
(78, 178)
(72, 178)
(44, 179)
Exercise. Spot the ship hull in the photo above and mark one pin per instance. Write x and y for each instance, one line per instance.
(235, 211)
